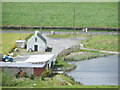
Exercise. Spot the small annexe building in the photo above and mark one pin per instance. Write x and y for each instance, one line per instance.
(34, 65)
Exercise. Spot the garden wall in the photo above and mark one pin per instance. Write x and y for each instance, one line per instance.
(69, 50)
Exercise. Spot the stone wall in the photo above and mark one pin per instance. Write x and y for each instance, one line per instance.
(5, 27)
(69, 50)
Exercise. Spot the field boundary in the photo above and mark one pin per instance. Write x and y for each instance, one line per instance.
(15, 27)
(67, 51)
(100, 50)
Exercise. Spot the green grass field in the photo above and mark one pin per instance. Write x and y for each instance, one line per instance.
(9, 41)
(102, 42)
(88, 14)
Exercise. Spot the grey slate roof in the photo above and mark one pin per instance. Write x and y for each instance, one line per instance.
(41, 37)
(14, 64)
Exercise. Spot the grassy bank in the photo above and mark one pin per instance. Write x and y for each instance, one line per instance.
(102, 42)
(88, 86)
(79, 55)
(69, 35)
(88, 14)
(9, 40)
(61, 63)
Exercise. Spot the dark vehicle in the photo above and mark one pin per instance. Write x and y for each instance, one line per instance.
(7, 59)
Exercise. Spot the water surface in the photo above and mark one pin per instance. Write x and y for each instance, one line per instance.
(98, 71)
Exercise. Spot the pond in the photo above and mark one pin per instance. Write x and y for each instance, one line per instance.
(98, 71)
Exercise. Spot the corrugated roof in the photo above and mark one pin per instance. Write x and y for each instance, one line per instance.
(14, 64)
(40, 58)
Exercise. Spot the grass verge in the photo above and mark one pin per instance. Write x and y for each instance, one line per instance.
(61, 63)
(79, 55)
(102, 42)
(69, 35)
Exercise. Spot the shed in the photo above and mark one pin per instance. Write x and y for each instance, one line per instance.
(35, 64)
(47, 59)
(29, 68)
(20, 43)
(37, 42)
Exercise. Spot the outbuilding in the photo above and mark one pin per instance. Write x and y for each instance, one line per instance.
(35, 64)
(37, 43)
(20, 43)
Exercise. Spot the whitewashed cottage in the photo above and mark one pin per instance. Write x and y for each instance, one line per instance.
(37, 43)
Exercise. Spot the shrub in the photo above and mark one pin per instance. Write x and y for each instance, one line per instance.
(32, 77)
(17, 75)
(46, 73)
(25, 75)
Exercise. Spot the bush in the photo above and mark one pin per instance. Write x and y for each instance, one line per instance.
(17, 75)
(46, 73)
(25, 75)
(32, 77)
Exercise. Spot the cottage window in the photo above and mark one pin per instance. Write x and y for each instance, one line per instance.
(35, 39)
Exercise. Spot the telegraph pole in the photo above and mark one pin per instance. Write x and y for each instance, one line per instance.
(41, 20)
(74, 15)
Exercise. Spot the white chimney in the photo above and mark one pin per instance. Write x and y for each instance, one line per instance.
(36, 32)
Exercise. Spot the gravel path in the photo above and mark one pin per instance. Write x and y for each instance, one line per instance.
(60, 44)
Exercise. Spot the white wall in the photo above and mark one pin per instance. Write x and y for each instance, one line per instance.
(31, 42)
(20, 44)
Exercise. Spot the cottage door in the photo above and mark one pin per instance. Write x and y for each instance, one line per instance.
(35, 47)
